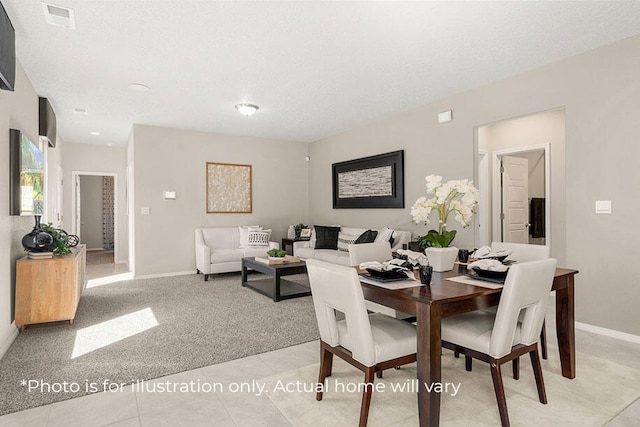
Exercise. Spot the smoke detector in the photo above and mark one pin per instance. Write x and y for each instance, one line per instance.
(59, 16)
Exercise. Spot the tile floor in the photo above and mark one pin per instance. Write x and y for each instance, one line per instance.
(131, 407)
(134, 406)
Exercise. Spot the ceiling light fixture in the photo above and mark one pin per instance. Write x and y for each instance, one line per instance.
(95, 133)
(138, 87)
(247, 109)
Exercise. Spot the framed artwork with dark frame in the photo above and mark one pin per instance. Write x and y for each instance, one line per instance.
(369, 182)
(228, 188)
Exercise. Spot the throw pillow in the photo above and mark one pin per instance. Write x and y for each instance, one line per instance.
(344, 240)
(244, 234)
(385, 235)
(326, 237)
(368, 236)
(259, 238)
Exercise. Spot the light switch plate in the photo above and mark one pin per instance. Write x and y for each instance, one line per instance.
(603, 206)
(145, 211)
(169, 195)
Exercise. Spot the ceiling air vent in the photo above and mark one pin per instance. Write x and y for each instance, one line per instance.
(60, 16)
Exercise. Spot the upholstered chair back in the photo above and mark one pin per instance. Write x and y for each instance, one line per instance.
(523, 252)
(335, 287)
(526, 290)
(363, 252)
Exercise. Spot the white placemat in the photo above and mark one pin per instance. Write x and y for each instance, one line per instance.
(475, 282)
(400, 284)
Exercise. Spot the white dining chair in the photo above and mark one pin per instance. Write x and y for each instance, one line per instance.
(512, 331)
(369, 342)
(377, 251)
(522, 252)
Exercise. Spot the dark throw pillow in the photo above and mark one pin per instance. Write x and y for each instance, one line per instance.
(368, 236)
(326, 237)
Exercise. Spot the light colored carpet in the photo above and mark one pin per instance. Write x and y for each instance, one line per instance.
(115, 336)
(99, 257)
(601, 390)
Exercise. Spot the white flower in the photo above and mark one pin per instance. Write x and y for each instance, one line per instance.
(459, 196)
(433, 181)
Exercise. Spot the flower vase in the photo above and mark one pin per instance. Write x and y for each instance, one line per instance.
(291, 232)
(442, 259)
(38, 240)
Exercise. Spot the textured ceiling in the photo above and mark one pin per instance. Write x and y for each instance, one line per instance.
(314, 68)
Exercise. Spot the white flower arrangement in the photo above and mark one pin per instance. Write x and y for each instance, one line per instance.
(455, 196)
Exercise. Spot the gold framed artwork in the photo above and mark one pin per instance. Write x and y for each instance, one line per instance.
(228, 188)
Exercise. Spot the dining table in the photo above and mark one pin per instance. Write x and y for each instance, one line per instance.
(443, 298)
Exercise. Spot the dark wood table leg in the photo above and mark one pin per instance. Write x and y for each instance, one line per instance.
(276, 287)
(565, 328)
(429, 363)
(244, 273)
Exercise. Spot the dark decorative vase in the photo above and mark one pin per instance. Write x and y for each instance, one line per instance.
(38, 240)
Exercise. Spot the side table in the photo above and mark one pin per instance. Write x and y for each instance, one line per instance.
(289, 242)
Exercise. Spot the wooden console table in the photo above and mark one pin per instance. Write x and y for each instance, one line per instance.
(48, 290)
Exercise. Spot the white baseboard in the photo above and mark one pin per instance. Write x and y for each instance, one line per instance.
(8, 339)
(175, 273)
(608, 332)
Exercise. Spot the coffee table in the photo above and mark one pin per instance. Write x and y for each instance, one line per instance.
(275, 287)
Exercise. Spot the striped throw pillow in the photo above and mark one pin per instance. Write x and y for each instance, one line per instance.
(259, 238)
(344, 240)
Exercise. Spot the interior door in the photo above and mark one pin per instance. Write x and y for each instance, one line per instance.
(77, 222)
(59, 191)
(515, 203)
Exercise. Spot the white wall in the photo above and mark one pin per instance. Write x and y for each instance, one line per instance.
(600, 91)
(91, 211)
(18, 110)
(98, 158)
(175, 160)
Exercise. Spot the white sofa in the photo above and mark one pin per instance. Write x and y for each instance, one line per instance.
(218, 250)
(304, 250)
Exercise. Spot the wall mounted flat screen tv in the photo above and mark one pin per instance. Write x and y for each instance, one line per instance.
(26, 181)
(7, 52)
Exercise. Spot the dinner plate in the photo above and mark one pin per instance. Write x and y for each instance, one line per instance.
(389, 274)
(490, 273)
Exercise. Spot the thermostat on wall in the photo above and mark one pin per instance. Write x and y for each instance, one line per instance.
(169, 195)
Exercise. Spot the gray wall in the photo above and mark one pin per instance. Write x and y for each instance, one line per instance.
(18, 110)
(100, 159)
(175, 160)
(91, 211)
(600, 91)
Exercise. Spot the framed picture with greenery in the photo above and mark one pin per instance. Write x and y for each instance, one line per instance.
(369, 182)
(26, 175)
(228, 188)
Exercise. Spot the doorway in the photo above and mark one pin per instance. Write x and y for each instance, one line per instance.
(94, 219)
(535, 145)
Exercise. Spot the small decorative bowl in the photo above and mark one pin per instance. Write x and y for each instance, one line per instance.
(490, 274)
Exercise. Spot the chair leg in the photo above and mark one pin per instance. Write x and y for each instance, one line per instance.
(543, 340)
(499, 390)
(369, 378)
(516, 368)
(537, 371)
(326, 362)
(468, 363)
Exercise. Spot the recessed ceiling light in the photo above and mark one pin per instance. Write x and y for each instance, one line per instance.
(138, 87)
(247, 109)
(81, 111)
(95, 133)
